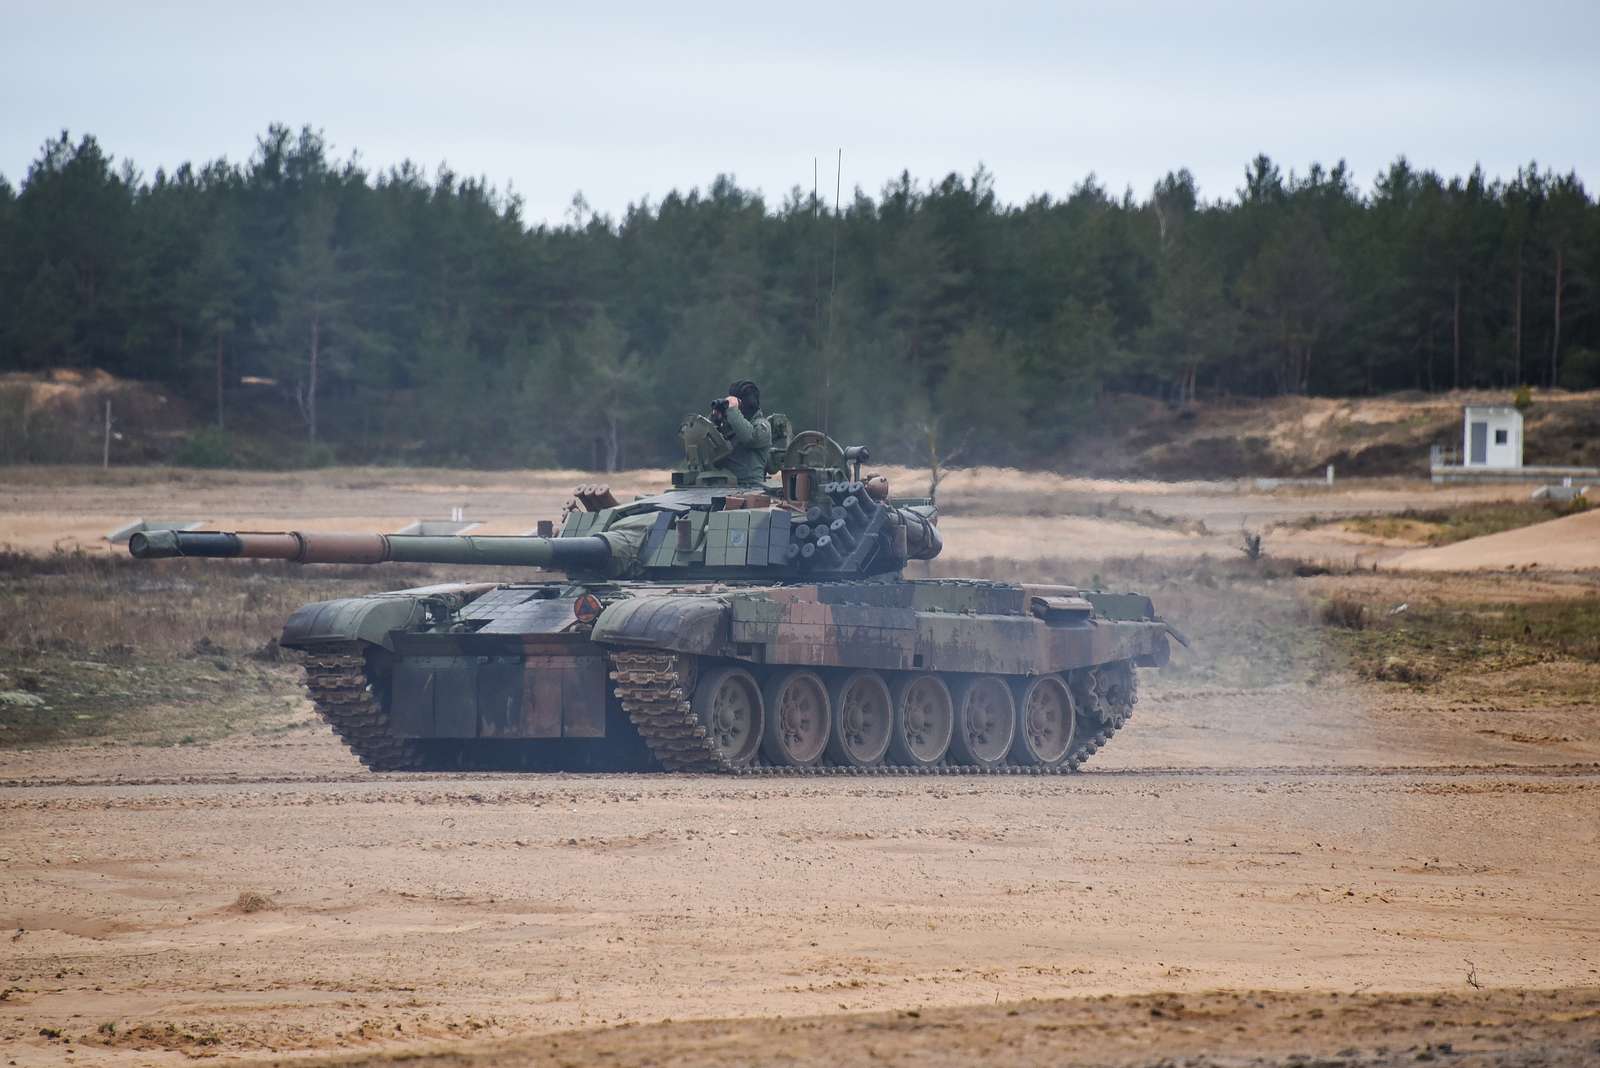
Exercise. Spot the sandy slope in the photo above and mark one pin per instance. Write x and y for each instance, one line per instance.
(1571, 543)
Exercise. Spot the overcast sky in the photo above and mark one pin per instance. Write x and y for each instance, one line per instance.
(624, 101)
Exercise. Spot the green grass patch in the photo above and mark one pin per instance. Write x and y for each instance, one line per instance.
(1428, 643)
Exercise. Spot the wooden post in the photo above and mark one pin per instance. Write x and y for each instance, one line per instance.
(105, 448)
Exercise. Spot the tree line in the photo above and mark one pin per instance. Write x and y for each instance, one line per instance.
(310, 304)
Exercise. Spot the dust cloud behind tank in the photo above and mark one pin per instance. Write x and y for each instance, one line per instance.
(712, 627)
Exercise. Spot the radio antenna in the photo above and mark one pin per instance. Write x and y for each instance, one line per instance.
(816, 285)
(833, 285)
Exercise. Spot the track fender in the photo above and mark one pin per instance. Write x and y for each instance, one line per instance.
(684, 624)
(372, 619)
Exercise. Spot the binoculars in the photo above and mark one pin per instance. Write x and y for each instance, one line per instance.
(719, 416)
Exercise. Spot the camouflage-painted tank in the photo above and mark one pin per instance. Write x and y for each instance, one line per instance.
(712, 628)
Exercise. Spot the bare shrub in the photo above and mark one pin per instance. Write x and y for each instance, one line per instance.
(253, 901)
(1405, 669)
(1344, 612)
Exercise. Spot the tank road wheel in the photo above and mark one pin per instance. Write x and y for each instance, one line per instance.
(728, 705)
(1046, 717)
(863, 719)
(924, 719)
(799, 719)
(986, 721)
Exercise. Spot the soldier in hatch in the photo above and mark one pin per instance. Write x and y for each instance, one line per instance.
(739, 416)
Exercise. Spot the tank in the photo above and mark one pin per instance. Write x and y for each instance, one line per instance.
(712, 628)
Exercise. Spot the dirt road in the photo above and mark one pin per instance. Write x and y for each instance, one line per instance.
(269, 897)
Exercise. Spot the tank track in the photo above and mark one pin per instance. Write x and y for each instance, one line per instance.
(1104, 726)
(339, 686)
(655, 690)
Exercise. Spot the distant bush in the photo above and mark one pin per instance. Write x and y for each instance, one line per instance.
(207, 447)
(1522, 398)
(210, 447)
(13, 426)
(1580, 369)
(316, 454)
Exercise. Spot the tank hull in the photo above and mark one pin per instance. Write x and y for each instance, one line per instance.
(708, 678)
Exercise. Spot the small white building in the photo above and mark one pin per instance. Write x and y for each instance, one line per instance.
(1491, 436)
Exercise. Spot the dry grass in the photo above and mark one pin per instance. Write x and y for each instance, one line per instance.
(82, 602)
(173, 653)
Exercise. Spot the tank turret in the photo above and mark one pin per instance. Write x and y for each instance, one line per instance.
(820, 519)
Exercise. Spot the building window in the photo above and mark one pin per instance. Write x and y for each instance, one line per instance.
(1500, 437)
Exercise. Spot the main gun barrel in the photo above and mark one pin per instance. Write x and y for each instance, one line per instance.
(581, 554)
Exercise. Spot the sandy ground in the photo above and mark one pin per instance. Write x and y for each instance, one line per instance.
(1225, 1029)
(1369, 874)
(1303, 838)
(42, 507)
(1571, 543)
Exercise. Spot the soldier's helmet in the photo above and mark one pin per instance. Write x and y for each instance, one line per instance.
(749, 395)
